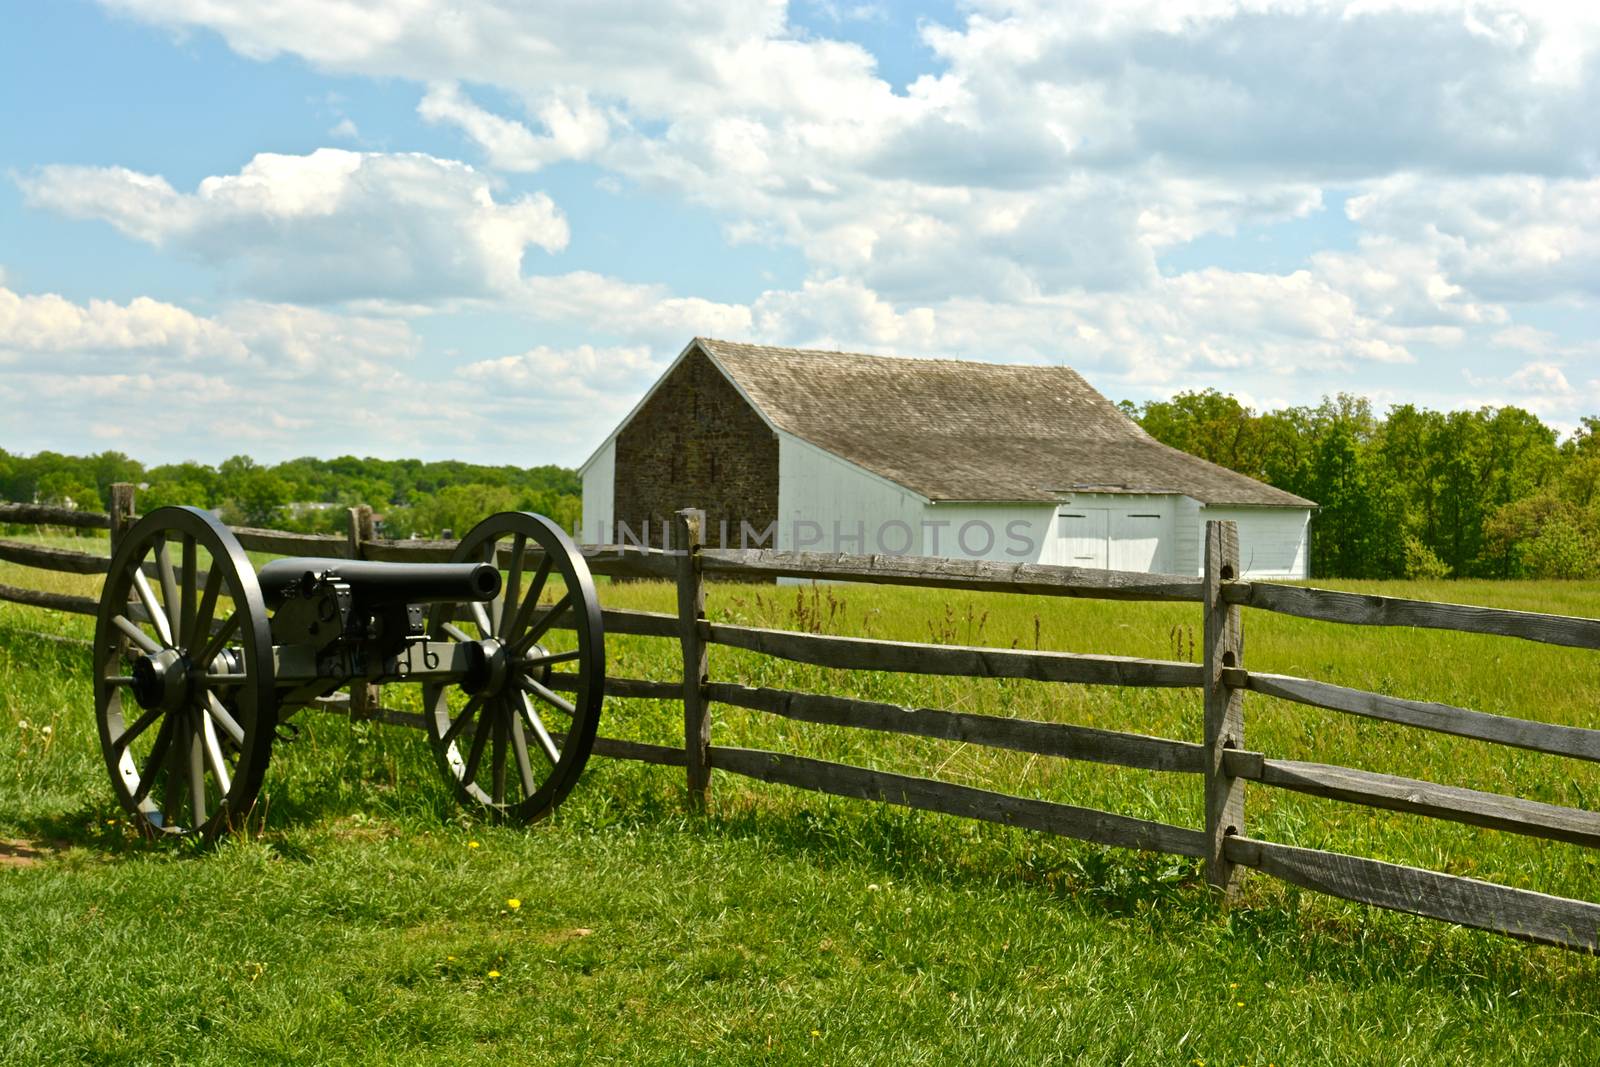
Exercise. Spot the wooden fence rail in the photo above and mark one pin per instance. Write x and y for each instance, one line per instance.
(1223, 759)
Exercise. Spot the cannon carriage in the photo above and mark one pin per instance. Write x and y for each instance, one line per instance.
(198, 659)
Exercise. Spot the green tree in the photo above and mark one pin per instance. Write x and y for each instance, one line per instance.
(257, 498)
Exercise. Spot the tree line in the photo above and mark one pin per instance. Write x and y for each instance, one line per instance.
(1413, 493)
(307, 494)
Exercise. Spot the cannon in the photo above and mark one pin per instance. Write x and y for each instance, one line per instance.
(199, 657)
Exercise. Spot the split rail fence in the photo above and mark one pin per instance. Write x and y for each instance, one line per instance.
(1222, 758)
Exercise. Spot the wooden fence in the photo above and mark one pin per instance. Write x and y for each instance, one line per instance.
(1222, 759)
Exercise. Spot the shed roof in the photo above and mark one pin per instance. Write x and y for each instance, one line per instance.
(957, 430)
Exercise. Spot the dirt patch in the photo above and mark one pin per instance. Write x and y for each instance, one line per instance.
(23, 853)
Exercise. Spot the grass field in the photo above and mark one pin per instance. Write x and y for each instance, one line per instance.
(372, 922)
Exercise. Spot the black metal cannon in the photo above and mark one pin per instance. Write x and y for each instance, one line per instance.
(198, 658)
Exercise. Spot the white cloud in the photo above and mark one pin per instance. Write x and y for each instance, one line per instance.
(576, 129)
(1015, 204)
(48, 323)
(629, 310)
(332, 225)
(1501, 238)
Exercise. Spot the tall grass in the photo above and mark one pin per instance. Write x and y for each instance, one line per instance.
(364, 923)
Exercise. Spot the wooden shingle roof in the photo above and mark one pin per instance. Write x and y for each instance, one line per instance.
(955, 430)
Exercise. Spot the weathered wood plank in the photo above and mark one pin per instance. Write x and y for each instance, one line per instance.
(938, 573)
(1575, 741)
(1521, 913)
(639, 623)
(639, 688)
(619, 562)
(1363, 609)
(1087, 824)
(1413, 796)
(53, 559)
(1023, 735)
(1224, 703)
(419, 551)
(283, 543)
(616, 621)
(616, 748)
(77, 605)
(613, 560)
(866, 654)
(44, 515)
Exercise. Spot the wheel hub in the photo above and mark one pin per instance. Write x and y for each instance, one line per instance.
(161, 680)
(488, 673)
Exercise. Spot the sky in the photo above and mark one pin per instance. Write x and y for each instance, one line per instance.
(481, 229)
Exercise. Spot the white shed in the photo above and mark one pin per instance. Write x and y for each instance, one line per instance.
(840, 452)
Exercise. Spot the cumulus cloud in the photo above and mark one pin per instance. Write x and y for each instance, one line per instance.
(332, 225)
(576, 129)
(1019, 202)
(1059, 148)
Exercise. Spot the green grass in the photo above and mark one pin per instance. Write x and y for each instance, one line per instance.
(782, 926)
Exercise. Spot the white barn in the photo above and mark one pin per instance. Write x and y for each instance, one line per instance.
(832, 451)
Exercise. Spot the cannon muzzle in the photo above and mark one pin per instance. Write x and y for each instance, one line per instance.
(382, 584)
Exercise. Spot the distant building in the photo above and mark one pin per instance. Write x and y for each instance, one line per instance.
(833, 451)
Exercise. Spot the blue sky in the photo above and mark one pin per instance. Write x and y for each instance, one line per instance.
(480, 230)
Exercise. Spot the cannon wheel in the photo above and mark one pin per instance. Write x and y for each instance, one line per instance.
(183, 676)
(512, 741)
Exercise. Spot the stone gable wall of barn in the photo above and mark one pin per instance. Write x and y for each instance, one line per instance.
(696, 443)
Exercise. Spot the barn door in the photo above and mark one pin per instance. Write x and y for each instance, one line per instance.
(1138, 542)
(1085, 535)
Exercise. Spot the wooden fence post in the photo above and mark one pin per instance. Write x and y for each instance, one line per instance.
(365, 698)
(696, 673)
(358, 531)
(121, 512)
(1224, 705)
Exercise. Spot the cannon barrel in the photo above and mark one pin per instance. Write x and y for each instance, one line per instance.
(378, 584)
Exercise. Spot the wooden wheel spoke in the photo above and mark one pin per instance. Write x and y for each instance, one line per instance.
(550, 697)
(140, 725)
(529, 637)
(219, 640)
(215, 712)
(197, 775)
(497, 761)
(136, 635)
(480, 615)
(540, 731)
(530, 603)
(152, 607)
(519, 746)
(458, 633)
(480, 740)
(190, 581)
(510, 601)
(463, 720)
(177, 761)
(548, 658)
(169, 590)
(208, 606)
(153, 761)
(214, 757)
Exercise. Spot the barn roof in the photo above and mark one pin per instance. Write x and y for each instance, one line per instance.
(957, 430)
